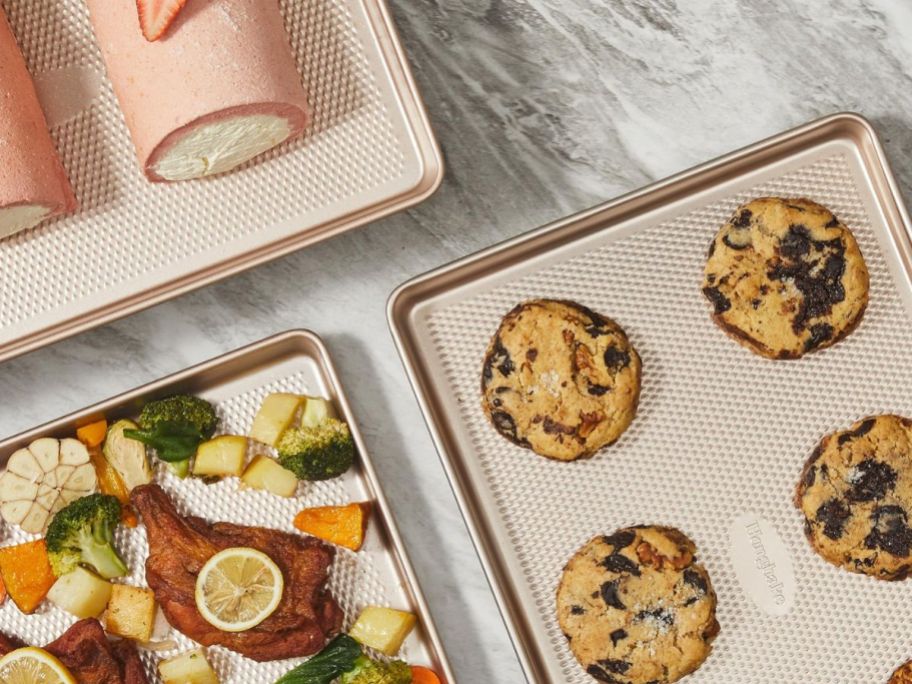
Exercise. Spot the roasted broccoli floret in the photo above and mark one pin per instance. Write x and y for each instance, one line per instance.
(317, 453)
(175, 427)
(83, 534)
(367, 671)
(181, 408)
(339, 655)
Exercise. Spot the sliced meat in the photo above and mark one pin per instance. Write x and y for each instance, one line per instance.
(89, 656)
(8, 644)
(131, 667)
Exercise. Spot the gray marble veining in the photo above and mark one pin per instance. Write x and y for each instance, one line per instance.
(543, 108)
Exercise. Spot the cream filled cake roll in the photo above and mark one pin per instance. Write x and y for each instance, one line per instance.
(220, 87)
(33, 184)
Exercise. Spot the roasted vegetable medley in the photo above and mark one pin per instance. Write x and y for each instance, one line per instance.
(77, 493)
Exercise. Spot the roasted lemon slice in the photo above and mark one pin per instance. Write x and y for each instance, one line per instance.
(30, 665)
(238, 588)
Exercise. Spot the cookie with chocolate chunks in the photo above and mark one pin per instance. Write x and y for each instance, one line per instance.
(560, 379)
(636, 607)
(785, 277)
(902, 674)
(856, 496)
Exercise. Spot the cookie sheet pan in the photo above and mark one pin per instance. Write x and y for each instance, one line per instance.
(380, 574)
(721, 434)
(368, 151)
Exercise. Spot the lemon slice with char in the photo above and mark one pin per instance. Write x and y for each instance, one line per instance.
(238, 588)
(32, 665)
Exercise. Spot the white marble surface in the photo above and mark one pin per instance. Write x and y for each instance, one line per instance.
(543, 107)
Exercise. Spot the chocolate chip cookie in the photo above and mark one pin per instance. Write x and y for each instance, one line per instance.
(560, 379)
(785, 277)
(856, 496)
(636, 606)
(902, 675)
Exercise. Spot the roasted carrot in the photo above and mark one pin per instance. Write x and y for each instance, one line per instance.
(128, 516)
(2, 592)
(422, 675)
(92, 434)
(110, 482)
(26, 573)
(340, 525)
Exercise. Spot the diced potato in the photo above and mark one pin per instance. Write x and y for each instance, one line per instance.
(264, 473)
(316, 410)
(131, 612)
(187, 668)
(383, 629)
(224, 455)
(81, 593)
(276, 414)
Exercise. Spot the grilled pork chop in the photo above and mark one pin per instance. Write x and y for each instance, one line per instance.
(8, 644)
(90, 657)
(307, 615)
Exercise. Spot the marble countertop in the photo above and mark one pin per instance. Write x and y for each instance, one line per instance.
(543, 108)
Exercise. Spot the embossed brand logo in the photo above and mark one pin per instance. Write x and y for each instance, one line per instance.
(762, 564)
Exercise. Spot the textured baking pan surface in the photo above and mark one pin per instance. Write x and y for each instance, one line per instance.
(379, 574)
(368, 151)
(721, 434)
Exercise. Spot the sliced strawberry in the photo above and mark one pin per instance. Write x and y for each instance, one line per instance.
(155, 16)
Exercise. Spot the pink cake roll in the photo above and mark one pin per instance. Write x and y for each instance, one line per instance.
(33, 184)
(220, 88)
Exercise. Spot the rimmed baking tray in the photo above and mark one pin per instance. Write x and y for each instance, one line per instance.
(379, 574)
(369, 151)
(721, 434)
